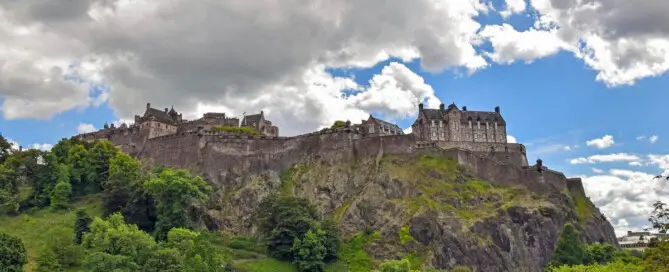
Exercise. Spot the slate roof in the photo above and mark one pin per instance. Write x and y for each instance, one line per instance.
(251, 118)
(385, 123)
(161, 116)
(431, 114)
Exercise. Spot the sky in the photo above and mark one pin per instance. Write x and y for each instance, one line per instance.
(582, 83)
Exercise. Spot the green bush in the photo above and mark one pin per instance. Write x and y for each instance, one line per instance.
(13, 255)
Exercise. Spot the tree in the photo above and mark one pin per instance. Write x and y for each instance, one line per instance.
(104, 262)
(309, 252)
(600, 254)
(98, 164)
(199, 254)
(165, 260)
(82, 225)
(60, 196)
(569, 249)
(282, 219)
(338, 124)
(114, 237)
(174, 191)
(5, 149)
(331, 239)
(59, 250)
(13, 255)
(124, 175)
(657, 258)
(9, 189)
(660, 217)
(78, 162)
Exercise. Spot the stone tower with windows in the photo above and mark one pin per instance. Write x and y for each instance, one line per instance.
(455, 125)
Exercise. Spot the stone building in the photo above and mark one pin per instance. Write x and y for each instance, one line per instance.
(454, 125)
(158, 123)
(209, 121)
(262, 125)
(377, 127)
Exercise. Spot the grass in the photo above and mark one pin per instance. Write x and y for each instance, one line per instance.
(583, 209)
(353, 253)
(241, 130)
(289, 176)
(33, 228)
(266, 264)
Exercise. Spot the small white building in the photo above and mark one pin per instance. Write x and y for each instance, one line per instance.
(639, 240)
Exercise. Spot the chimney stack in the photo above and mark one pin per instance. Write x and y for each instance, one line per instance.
(441, 106)
(464, 108)
(165, 110)
(148, 106)
(497, 109)
(420, 107)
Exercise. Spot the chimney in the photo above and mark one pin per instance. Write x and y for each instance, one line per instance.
(441, 106)
(165, 110)
(464, 108)
(148, 106)
(420, 107)
(262, 113)
(497, 109)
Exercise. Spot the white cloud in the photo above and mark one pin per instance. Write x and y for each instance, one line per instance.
(635, 163)
(510, 45)
(597, 170)
(661, 161)
(408, 130)
(601, 143)
(623, 41)
(263, 55)
(625, 197)
(617, 157)
(513, 7)
(511, 139)
(85, 128)
(641, 137)
(43, 147)
(653, 139)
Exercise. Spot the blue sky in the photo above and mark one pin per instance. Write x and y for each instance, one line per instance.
(559, 82)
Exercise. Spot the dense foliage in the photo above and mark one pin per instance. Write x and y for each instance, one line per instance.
(12, 253)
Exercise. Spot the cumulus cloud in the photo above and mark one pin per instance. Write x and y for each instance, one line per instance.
(511, 139)
(43, 147)
(601, 143)
(513, 7)
(85, 128)
(597, 170)
(625, 197)
(616, 157)
(653, 139)
(623, 41)
(408, 130)
(233, 54)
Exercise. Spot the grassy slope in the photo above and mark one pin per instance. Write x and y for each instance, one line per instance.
(33, 227)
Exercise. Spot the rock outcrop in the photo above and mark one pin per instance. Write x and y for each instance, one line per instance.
(456, 213)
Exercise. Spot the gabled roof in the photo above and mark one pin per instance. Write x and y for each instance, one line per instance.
(386, 123)
(160, 116)
(483, 116)
(250, 119)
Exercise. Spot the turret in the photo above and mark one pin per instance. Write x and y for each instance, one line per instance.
(497, 109)
(420, 107)
(441, 107)
(464, 108)
(148, 106)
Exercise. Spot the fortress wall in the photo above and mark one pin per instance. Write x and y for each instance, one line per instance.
(512, 152)
(392, 144)
(575, 186)
(175, 150)
(507, 173)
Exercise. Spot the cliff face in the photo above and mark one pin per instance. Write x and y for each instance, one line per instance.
(427, 204)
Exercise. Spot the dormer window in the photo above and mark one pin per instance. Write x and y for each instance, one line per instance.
(487, 125)
(478, 124)
(441, 124)
(433, 125)
(470, 123)
(495, 124)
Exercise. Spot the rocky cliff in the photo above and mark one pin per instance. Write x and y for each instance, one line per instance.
(428, 204)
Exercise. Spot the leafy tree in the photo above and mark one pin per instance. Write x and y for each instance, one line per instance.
(309, 252)
(199, 254)
(338, 124)
(99, 157)
(46, 175)
(5, 148)
(174, 191)
(402, 265)
(610, 267)
(657, 258)
(569, 249)
(13, 255)
(282, 219)
(60, 196)
(660, 217)
(105, 262)
(47, 261)
(600, 254)
(165, 260)
(331, 239)
(113, 236)
(78, 162)
(124, 175)
(82, 225)
(60, 250)
(9, 189)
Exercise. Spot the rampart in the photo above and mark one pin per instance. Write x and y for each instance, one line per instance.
(213, 154)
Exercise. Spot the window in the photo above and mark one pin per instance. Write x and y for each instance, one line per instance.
(470, 123)
(370, 128)
(495, 124)
(433, 123)
(487, 125)
(442, 134)
(478, 124)
(441, 124)
(434, 135)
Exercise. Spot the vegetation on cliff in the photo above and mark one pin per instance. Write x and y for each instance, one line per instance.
(238, 130)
